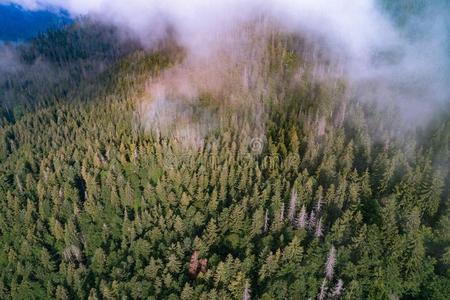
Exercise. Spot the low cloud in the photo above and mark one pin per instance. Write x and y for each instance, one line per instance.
(383, 61)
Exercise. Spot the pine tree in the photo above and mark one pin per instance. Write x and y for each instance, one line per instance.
(282, 213)
(302, 219)
(323, 290)
(266, 221)
(187, 293)
(319, 231)
(292, 206)
(247, 291)
(338, 289)
(331, 261)
(311, 221)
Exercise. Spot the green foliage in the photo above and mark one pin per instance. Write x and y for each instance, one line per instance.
(93, 206)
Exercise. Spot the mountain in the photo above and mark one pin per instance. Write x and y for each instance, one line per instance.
(252, 173)
(17, 24)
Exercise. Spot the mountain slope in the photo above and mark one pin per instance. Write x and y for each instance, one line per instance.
(326, 199)
(17, 24)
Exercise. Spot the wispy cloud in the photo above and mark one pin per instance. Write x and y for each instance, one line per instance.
(379, 56)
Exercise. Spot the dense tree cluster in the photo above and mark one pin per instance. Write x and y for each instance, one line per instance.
(331, 203)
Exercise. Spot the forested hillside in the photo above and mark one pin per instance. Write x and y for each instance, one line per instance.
(328, 197)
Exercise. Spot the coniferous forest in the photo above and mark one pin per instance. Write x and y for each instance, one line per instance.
(298, 190)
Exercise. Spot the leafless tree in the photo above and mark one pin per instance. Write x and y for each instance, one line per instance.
(331, 261)
(292, 205)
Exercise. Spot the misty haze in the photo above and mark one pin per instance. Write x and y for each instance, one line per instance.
(240, 149)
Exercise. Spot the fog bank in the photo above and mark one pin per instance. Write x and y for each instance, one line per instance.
(389, 58)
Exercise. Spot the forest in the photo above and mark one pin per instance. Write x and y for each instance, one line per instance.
(299, 192)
